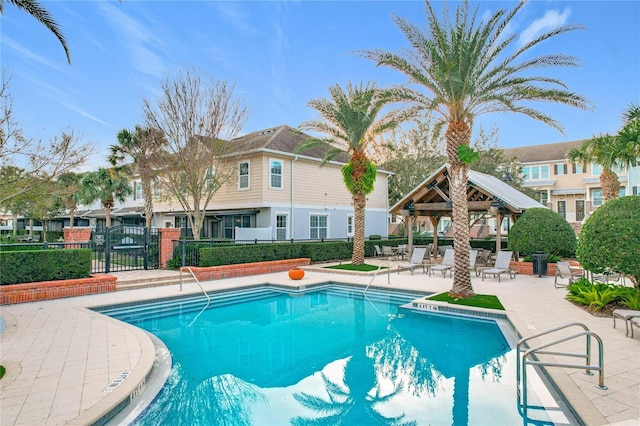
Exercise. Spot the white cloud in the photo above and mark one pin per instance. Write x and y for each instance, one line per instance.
(231, 13)
(29, 54)
(551, 19)
(139, 40)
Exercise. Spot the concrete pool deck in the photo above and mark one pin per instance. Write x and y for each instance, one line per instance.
(61, 358)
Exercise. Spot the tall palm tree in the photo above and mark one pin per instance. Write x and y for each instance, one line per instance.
(467, 66)
(350, 122)
(107, 186)
(141, 147)
(629, 135)
(33, 8)
(602, 150)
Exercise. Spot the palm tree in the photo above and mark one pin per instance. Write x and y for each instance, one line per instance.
(629, 135)
(465, 68)
(33, 8)
(140, 147)
(602, 150)
(69, 193)
(106, 185)
(350, 122)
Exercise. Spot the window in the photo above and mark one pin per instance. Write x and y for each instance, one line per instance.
(559, 169)
(596, 197)
(243, 175)
(535, 172)
(596, 169)
(210, 182)
(562, 209)
(281, 227)
(622, 192)
(137, 190)
(275, 174)
(317, 227)
(542, 197)
(578, 169)
(636, 190)
(156, 188)
(350, 225)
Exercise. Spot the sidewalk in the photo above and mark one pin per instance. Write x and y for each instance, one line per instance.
(61, 357)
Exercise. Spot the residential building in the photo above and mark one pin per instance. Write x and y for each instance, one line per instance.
(572, 190)
(275, 194)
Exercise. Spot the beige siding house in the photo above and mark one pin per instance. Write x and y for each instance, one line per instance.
(571, 190)
(274, 192)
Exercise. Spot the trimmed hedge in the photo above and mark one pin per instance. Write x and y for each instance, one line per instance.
(44, 265)
(542, 230)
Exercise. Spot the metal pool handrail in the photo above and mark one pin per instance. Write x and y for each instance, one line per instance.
(204, 292)
(376, 274)
(523, 361)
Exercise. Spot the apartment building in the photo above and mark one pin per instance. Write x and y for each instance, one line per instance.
(570, 189)
(275, 194)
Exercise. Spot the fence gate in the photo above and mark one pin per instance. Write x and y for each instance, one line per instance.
(125, 248)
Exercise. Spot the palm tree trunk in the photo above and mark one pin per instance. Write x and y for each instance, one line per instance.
(610, 184)
(359, 203)
(458, 134)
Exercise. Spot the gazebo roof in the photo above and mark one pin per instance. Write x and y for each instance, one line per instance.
(431, 197)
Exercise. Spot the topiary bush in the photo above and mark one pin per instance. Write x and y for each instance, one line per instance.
(610, 239)
(544, 230)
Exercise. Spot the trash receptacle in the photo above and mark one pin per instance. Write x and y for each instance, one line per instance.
(539, 263)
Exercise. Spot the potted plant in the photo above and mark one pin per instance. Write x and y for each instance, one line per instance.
(296, 273)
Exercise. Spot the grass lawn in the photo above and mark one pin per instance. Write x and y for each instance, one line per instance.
(359, 268)
(479, 300)
(2, 371)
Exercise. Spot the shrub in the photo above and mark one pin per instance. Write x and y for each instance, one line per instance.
(44, 265)
(610, 238)
(543, 230)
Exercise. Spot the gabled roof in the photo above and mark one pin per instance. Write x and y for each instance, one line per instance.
(431, 197)
(547, 152)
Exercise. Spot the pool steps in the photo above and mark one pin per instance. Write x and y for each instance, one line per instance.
(141, 311)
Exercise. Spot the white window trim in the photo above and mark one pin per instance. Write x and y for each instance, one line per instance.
(275, 226)
(248, 187)
(328, 224)
(281, 174)
(353, 225)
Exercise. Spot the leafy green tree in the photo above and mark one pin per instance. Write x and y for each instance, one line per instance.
(35, 9)
(609, 240)
(141, 147)
(464, 68)
(351, 120)
(106, 186)
(43, 205)
(541, 229)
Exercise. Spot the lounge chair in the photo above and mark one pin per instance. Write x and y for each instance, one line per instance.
(564, 272)
(631, 317)
(378, 252)
(482, 261)
(501, 266)
(446, 265)
(416, 260)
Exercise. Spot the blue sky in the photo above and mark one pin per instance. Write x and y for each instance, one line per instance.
(280, 55)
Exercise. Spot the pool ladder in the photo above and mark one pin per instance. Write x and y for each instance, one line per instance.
(525, 360)
(376, 274)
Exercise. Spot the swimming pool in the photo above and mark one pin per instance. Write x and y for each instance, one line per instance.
(270, 357)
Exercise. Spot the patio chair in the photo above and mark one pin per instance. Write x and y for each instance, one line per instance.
(402, 251)
(416, 260)
(482, 261)
(564, 272)
(629, 316)
(387, 252)
(501, 266)
(378, 252)
(446, 265)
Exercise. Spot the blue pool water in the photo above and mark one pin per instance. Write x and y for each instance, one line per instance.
(327, 356)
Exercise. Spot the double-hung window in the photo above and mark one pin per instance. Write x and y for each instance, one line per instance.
(535, 172)
(137, 190)
(243, 175)
(275, 174)
(317, 227)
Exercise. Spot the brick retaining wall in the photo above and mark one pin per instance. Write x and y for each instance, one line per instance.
(245, 269)
(47, 290)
